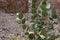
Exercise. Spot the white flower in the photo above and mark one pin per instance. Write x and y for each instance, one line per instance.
(42, 36)
(48, 6)
(17, 13)
(17, 19)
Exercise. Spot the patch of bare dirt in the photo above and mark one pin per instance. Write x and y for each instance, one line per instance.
(8, 25)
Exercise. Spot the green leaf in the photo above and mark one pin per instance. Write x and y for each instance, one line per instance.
(23, 26)
(23, 21)
(52, 37)
(44, 32)
(43, 7)
(51, 19)
(39, 38)
(54, 15)
(44, 2)
(34, 1)
(34, 6)
(26, 33)
(44, 13)
(20, 15)
(33, 10)
(33, 17)
(39, 11)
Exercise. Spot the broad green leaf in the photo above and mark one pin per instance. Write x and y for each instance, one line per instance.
(42, 7)
(54, 15)
(20, 15)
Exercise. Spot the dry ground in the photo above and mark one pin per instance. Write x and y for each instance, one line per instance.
(9, 26)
